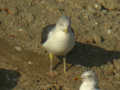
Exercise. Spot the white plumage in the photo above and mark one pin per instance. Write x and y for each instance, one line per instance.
(60, 42)
(58, 39)
(89, 81)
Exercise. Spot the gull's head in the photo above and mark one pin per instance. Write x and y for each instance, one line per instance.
(90, 81)
(88, 75)
(63, 24)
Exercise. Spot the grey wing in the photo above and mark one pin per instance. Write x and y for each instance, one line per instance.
(72, 31)
(45, 32)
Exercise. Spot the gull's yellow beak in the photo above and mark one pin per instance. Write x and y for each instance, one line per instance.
(66, 30)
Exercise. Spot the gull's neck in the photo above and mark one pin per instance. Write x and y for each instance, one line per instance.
(90, 82)
(56, 28)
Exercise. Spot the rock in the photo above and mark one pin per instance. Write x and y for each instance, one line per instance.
(17, 48)
(97, 6)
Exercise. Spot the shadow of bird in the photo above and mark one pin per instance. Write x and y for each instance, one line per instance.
(89, 55)
(8, 79)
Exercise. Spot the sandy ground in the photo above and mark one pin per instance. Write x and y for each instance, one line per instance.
(24, 64)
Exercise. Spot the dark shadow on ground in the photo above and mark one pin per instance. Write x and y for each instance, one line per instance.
(88, 55)
(8, 79)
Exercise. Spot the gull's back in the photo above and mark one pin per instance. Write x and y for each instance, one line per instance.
(45, 32)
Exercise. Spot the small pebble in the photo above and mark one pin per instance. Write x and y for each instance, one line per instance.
(17, 48)
(96, 23)
(20, 30)
(97, 6)
(29, 62)
(109, 31)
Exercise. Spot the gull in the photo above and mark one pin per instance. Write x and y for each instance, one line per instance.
(58, 39)
(89, 81)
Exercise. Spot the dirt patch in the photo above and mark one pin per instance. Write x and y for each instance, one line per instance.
(24, 63)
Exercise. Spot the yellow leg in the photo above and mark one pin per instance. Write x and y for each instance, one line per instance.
(51, 61)
(64, 62)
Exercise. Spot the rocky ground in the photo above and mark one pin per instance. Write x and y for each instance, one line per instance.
(24, 64)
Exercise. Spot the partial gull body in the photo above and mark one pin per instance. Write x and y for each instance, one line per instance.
(58, 39)
(59, 42)
(89, 81)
